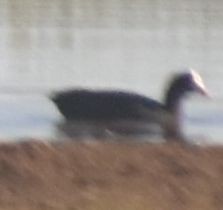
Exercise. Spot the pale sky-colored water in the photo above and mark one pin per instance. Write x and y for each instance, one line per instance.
(131, 44)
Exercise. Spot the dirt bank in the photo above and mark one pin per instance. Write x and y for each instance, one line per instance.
(107, 176)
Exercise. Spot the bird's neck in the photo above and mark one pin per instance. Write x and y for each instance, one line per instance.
(173, 100)
(172, 105)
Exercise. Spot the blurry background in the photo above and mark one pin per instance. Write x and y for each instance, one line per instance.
(47, 45)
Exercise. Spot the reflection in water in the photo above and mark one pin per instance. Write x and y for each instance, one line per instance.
(112, 130)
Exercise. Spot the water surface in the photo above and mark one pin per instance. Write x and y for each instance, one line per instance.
(132, 45)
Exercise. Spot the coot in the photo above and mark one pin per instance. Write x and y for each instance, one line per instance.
(119, 107)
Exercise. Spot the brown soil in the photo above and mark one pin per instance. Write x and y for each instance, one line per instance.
(110, 176)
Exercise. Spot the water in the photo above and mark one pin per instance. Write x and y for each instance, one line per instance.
(134, 45)
(204, 120)
(35, 116)
(27, 117)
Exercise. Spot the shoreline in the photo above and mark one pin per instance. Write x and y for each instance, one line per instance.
(108, 175)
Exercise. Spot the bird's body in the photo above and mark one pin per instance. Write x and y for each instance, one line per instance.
(104, 105)
(121, 109)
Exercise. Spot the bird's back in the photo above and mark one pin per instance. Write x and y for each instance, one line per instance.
(104, 105)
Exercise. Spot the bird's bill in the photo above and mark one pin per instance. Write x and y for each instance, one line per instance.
(200, 87)
(204, 92)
